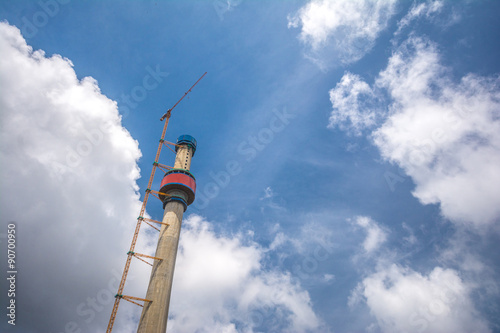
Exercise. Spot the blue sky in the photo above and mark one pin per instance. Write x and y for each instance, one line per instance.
(347, 164)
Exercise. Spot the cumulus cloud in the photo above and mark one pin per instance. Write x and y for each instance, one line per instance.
(403, 300)
(221, 285)
(70, 171)
(444, 134)
(341, 31)
(354, 105)
(68, 181)
(375, 235)
(465, 251)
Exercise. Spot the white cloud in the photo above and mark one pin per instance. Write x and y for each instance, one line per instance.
(329, 277)
(70, 170)
(220, 284)
(411, 239)
(375, 235)
(426, 9)
(345, 30)
(445, 135)
(68, 181)
(465, 251)
(353, 103)
(268, 193)
(278, 241)
(403, 300)
(271, 201)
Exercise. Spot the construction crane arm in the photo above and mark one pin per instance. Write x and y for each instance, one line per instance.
(187, 92)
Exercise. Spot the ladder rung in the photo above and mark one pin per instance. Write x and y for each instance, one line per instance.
(164, 167)
(131, 298)
(152, 226)
(139, 255)
(167, 144)
(151, 220)
(159, 193)
(146, 256)
(150, 264)
(156, 193)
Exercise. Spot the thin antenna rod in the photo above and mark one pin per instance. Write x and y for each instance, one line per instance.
(187, 92)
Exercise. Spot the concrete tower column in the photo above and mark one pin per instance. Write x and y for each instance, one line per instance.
(180, 186)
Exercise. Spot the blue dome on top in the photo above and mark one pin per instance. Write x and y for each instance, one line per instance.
(186, 140)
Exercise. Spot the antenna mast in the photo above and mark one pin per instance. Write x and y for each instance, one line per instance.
(143, 257)
(187, 92)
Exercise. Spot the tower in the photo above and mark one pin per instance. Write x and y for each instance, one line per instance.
(177, 191)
